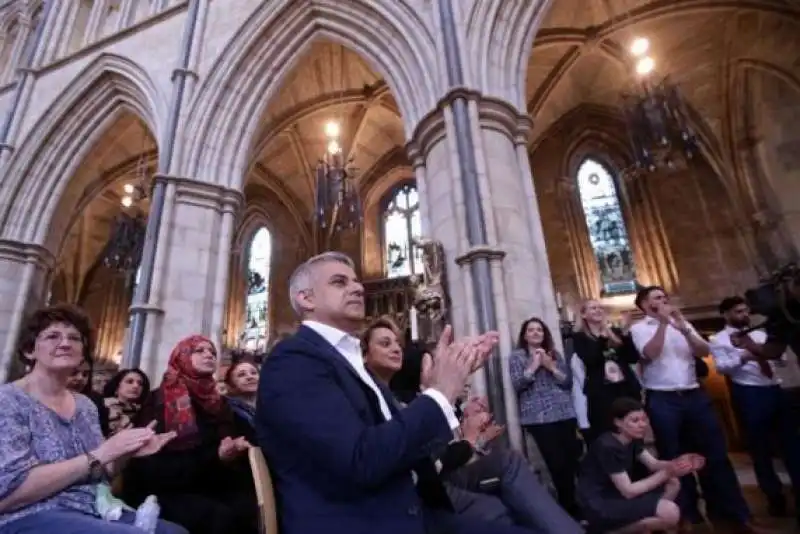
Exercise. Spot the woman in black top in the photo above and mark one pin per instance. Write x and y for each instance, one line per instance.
(607, 355)
(610, 501)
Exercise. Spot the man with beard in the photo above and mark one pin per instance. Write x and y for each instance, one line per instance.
(760, 403)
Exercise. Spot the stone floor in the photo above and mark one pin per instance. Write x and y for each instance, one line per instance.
(747, 478)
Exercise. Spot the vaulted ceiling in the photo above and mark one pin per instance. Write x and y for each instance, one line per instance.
(329, 83)
(579, 57)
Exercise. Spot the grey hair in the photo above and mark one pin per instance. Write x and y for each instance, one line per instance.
(301, 277)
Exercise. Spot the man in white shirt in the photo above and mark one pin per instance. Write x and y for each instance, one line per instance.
(759, 401)
(680, 411)
(343, 457)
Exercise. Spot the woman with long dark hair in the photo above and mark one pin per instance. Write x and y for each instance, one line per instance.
(542, 380)
(123, 396)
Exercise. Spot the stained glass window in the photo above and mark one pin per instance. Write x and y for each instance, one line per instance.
(257, 320)
(606, 225)
(401, 225)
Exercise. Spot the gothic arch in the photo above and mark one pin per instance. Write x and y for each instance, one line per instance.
(500, 64)
(278, 33)
(64, 135)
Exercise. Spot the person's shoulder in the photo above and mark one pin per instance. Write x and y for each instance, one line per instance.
(288, 353)
(608, 441)
(287, 344)
(85, 403)
(11, 396)
(518, 353)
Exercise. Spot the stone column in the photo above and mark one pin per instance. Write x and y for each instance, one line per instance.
(24, 272)
(515, 245)
(95, 23)
(190, 285)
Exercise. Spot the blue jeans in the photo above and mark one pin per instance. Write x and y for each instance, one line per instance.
(673, 416)
(70, 522)
(764, 411)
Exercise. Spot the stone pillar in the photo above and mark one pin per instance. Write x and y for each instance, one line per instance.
(515, 245)
(190, 285)
(24, 272)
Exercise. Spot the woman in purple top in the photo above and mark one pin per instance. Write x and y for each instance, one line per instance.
(52, 453)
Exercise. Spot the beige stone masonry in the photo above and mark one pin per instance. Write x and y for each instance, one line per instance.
(24, 273)
(515, 247)
(191, 273)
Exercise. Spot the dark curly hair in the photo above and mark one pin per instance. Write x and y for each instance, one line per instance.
(111, 387)
(43, 318)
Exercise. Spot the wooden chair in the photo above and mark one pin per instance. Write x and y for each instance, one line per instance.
(268, 521)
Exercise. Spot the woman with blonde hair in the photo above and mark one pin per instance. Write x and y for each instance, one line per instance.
(602, 367)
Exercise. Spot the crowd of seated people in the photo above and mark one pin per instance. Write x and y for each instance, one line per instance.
(364, 433)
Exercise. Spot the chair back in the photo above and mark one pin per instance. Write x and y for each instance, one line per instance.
(265, 493)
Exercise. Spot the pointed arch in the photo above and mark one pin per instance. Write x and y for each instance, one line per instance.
(224, 122)
(502, 51)
(42, 168)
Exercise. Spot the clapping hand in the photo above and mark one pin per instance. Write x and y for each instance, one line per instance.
(665, 312)
(230, 448)
(686, 464)
(484, 344)
(492, 432)
(536, 360)
(154, 444)
(548, 362)
(473, 425)
(454, 362)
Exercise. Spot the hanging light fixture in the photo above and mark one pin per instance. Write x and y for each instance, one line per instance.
(123, 251)
(657, 121)
(338, 206)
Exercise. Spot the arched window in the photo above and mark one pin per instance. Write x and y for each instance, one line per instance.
(401, 225)
(606, 225)
(257, 320)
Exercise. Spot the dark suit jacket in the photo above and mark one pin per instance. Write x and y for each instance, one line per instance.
(337, 465)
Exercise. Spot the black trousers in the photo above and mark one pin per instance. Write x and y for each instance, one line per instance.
(561, 451)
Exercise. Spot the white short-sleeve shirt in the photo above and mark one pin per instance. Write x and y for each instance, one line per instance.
(674, 369)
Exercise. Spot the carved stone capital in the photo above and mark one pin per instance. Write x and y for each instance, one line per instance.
(146, 309)
(203, 194)
(493, 113)
(19, 252)
(501, 116)
(491, 254)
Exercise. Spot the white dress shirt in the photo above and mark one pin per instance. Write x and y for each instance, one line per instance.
(728, 359)
(674, 368)
(350, 348)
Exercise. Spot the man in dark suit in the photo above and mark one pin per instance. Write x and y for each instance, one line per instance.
(343, 457)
